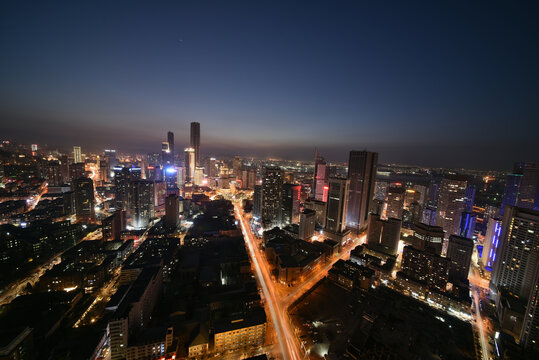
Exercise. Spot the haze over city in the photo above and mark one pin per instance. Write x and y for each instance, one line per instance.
(421, 83)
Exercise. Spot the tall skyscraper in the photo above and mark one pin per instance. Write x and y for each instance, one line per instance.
(528, 196)
(395, 201)
(459, 251)
(491, 243)
(517, 257)
(122, 178)
(165, 154)
(170, 140)
(529, 337)
(195, 141)
(272, 197)
(236, 167)
(425, 266)
(290, 204)
(467, 224)
(141, 203)
(362, 167)
(257, 202)
(337, 204)
(307, 222)
(83, 189)
(320, 185)
(172, 211)
(427, 237)
(77, 155)
(190, 164)
(451, 203)
(383, 236)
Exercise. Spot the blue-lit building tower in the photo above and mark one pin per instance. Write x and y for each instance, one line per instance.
(467, 224)
(510, 193)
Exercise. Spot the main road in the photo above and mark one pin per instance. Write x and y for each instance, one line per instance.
(279, 298)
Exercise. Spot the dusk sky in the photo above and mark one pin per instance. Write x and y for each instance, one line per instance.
(430, 82)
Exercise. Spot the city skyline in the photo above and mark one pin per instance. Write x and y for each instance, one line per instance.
(400, 80)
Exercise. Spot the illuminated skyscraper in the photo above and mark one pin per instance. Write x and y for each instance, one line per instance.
(428, 237)
(395, 201)
(290, 204)
(141, 203)
(320, 185)
(459, 251)
(362, 175)
(272, 197)
(383, 236)
(307, 222)
(467, 224)
(190, 164)
(77, 155)
(451, 203)
(172, 210)
(337, 204)
(83, 189)
(122, 178)
(195, 141)
(170, 140)
(528, 196)
(517, 257)
(257, 202)
(491, 243)
(236, 166)
(165, 154)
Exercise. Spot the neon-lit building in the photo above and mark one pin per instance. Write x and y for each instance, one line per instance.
(490, 245)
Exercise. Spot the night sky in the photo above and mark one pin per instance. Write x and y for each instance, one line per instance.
(429, 82)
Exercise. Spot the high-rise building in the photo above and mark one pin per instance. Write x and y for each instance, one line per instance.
(172, 211)
(426, 266)
(529, 336)
(257, 202)
(395, 202)
(320, 185)
(362, 167)
(211, 167)
(459, 251)
(190, 164)
(77, 155)
(467, 224)
(320, 208)
(272, 197)
(510, 192)
(307, 222)
(122, 178)
(141, 203)
(113, 226)
(451, 203)
(54, 173)
(383, 236)
(491, 243)
(170, 140)
(199, 176)
(83, 189)
(528, 196)
(517, 257)
(427, 237)
(195, 141)
(76, 170)
(290, 203)
(165, 154)
(236, 166)
(337, 204)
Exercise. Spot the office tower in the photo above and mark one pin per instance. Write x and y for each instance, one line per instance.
(362, 175)
(113, 225)
(171, 177)
(172, 211)
(320, 208)
(307, 222)
(337, 204)
(83, 189)
(211, 167)
(529, 337)
(411, 196)
(320, 185)
(528, 196)
(414, 213)
(159, 192)
(195, 141)
(428, 237)
(110, 157)
(76, 171)
(64, 165)
(77, 155)
(165, 154)
(510, 192)
(451, 203)
(122, 177)
(180, 176)
(469, 197)
(154, 172)
(170, 140)
(54, 173)
(517, 257)
(459, 251)
(383, 236)
(190, 164)
(395, 202)
(426, 266)
(380, 190)
(236, 167)
(154, 159)
(491, 243)
(272, 197)
(199, 176)
(429, 215)
(467, 224)
(141, 203)
(290, 203)
(257, 202)
(104, 172)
